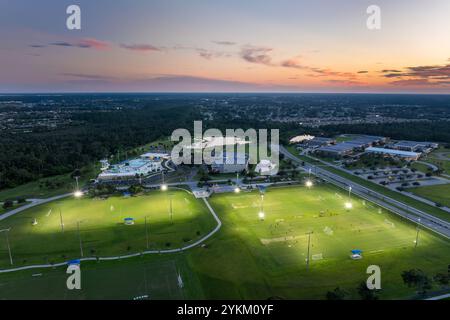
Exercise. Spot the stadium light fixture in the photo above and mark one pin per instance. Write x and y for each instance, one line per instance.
(78, 194)
(348, 205)
(309, 184)
(237, 190)
(261, 215)
(164, 187)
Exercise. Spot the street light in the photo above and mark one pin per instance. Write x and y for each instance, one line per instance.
(348, 205)
(237, 190)
(6, 231)
(309, 183)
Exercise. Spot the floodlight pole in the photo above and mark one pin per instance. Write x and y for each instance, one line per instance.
(309, 245)
(76, 179)
(146, 233)
(79, 238)
(262, 203)
(417, 234)
(6, 231)
(170, 208)
(349, 193)
(61, 220)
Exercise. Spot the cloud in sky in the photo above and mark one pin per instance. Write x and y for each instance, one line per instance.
(420, 75)
(293, 63)
(210, 54)
(140, 47)
(258, 55)
(349, 77)
(225, 43)
(87, 43)
(86, 76)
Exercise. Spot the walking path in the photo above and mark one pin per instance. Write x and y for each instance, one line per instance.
(441, 297)
(33, 203)
(432, 166)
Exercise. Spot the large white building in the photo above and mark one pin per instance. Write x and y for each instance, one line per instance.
(131, 169)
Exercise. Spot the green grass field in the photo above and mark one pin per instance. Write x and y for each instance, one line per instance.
(51, 186)
(441, 158)
(268, 257)
(102, 228)
(438, 193)
(378, 188)
(249, 258)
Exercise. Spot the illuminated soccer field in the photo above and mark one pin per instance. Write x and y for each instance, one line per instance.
(260, 259)
(251, 257)
(102, 228)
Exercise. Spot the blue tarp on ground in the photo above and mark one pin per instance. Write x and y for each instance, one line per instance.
(261, 188)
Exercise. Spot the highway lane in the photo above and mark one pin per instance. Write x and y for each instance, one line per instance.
(413, 214)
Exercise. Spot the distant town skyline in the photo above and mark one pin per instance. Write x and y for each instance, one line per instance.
(225, 46)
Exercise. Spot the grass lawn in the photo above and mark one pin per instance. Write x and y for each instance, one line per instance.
(443, 162)
(438, 193)
(253, 259)
(421, 167)
(48, 187)
(380, 189)
(155, 276)
(15, 206)
(260, 259)
(103, 232)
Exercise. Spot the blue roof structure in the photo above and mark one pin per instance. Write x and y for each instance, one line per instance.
(356, 251)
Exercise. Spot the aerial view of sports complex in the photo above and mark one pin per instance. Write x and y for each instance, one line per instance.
(211, 177)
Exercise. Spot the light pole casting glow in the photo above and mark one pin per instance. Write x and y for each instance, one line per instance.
(6, 231)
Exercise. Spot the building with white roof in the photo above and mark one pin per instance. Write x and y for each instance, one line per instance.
(266, 168)
(131, 168)
(406, 155)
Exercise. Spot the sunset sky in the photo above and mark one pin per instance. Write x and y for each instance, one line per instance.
(225, 45)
